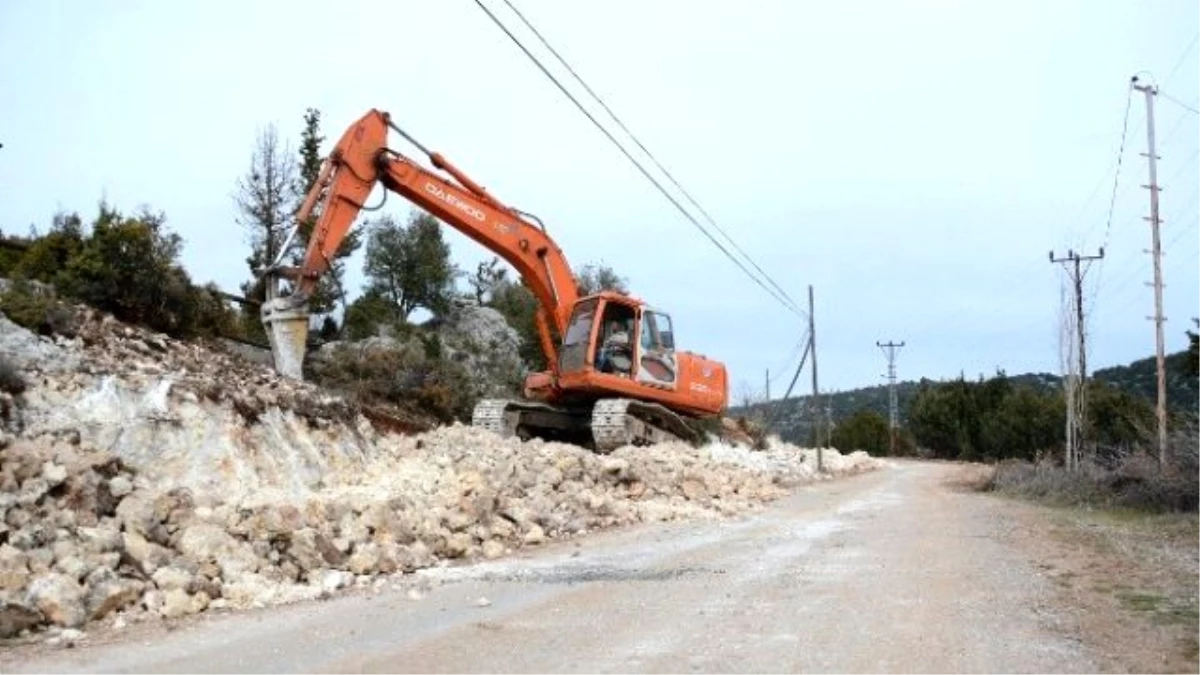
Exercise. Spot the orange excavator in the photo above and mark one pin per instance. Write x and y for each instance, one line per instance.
(615, 377)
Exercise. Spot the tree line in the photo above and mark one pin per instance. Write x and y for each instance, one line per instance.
(995, 418)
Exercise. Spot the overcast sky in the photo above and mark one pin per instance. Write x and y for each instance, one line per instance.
(914, 161)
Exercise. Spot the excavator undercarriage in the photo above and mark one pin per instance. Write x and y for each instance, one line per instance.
(603, 426)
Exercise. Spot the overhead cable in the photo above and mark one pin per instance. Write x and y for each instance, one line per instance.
(791, 306)
(634, 138)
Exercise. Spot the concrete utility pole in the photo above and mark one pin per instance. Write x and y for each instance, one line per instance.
(767, 388)
(1156, 252)
(1077, 414)
(816, 400)
(889, 349)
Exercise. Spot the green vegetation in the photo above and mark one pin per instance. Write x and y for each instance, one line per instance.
(408, 374)
(864, 430)
(593, 278)
(409, 265)
(1020, 416)
(1191, 365)
(988, 419)
(125, 265)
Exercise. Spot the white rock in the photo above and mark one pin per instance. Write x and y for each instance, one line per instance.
(54, 474)
(167, 578)
(120, 486)
(176, 603)
(59, 597)
(492, 549)
(333, 580)
(535, 535)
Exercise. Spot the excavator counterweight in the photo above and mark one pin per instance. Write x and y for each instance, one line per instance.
(615, 376)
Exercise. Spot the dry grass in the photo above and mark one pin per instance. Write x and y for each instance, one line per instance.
(971, 478)
(1127, 578)
(1134, 481)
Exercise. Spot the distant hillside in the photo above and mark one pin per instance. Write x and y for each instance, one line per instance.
(1139, 378)
(793, 419)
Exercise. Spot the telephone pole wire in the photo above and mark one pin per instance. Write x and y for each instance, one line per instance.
(1077, 413)
(889, 349)
(1156, 251)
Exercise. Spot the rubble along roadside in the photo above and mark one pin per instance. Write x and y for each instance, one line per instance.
(128, 493)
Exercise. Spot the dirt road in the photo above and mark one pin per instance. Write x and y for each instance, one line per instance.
(891, 571)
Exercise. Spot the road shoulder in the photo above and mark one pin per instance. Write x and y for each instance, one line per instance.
(1128, 579)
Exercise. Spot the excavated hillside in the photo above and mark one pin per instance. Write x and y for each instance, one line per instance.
(144, 477)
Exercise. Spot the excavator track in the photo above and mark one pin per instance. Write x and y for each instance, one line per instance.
(618, 422)
(489, 414)
(531, 419)
(610, 423)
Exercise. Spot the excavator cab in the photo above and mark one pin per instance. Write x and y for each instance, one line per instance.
(613, 335)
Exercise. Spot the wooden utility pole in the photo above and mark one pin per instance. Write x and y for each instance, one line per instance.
(1156, 253)
(889, 349)
(816, 400)
(1077, 413)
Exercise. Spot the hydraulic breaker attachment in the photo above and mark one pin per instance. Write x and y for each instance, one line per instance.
(286, 323)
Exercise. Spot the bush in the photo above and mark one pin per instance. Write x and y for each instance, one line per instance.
(127, 267)
(367, 314)
(34, 306)
(46, 256)
(865, 430)
(398, 373)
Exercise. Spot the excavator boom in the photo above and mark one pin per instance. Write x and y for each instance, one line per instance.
(361, 160)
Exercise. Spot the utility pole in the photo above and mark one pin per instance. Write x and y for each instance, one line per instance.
(767, 388)
(1156, 252)
(889, 349)
(816, 400)
(1077, 413)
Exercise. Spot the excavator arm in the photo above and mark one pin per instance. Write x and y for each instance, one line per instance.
(361, 160)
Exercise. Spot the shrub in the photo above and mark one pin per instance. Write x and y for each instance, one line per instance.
(34, 306)
(127, 266)
(398, 373)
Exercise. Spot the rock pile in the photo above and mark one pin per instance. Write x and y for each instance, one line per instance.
(85, 535)
(267, 491)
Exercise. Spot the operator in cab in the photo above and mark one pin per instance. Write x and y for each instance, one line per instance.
(615, 356)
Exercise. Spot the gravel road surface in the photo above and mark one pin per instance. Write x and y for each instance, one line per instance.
(891, 571)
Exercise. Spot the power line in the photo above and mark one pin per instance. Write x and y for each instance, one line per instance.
(791, 306)
(1182, 57)
(644, 149)
(781, 369)
(1112, 202)
(1177, 102)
